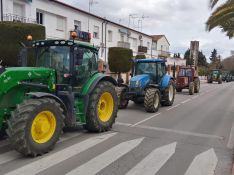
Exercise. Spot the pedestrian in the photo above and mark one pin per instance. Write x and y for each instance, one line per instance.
(120, 79)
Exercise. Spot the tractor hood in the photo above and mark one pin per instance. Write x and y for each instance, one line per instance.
(139, 81)
(11, 77)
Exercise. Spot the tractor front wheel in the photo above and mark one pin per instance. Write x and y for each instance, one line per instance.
(152, 100)
(169, 95)
(191, 88)
(35, 126)
(102, 108)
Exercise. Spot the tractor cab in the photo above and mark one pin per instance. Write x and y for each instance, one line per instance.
(73, 61)
(147, 71)
(187, 78)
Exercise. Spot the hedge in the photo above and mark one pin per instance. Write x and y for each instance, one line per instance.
(11, 33)
(119, 59)
(140, 57)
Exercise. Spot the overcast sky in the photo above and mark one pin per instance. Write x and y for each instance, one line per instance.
(180, 20)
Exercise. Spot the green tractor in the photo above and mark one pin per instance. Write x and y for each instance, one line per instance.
(215, 75)
(64, 89)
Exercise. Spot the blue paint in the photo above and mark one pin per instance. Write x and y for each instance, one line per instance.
(165, 81)
(150, 60)
(139, 81)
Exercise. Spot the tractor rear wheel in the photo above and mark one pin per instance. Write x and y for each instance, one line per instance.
(152, 100)
(169, 96)
(102, 108)
(121, 93)
(196, 85)
(35, 126)
(220, 81)
(191, 88)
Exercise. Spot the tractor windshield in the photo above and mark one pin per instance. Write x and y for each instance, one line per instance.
(146, 68)
(56, 57)
(185, 73)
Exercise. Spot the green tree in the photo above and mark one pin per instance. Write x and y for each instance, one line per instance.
(187, 57)
(201, 58)
(222, 17)
(119, 59)
(140, 56)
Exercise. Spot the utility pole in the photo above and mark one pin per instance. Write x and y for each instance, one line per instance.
(1, 10)
(91, 3)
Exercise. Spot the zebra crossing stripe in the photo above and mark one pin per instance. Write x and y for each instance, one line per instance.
(103, 160)
(60, 156)
(152, 163)
(12, 155)
(203, 164)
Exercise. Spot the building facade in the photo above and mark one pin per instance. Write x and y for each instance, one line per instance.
(59, 19)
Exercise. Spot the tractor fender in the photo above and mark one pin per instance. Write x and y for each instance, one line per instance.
(165, 81)
(94, 84)
(43, 94)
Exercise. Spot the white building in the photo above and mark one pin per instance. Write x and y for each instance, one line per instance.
(60, 18)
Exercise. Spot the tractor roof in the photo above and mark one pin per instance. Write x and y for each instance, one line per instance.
(41, 43)
(150, 60)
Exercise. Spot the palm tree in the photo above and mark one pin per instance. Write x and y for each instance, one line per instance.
(223, 16)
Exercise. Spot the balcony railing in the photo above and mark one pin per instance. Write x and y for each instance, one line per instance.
(142, 49)
(163, 54)
(16, 18)
(124, 44)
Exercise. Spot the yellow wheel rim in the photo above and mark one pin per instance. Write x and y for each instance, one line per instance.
(43, 127)
(105, 107)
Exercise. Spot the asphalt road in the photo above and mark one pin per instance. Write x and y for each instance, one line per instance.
(195, 136)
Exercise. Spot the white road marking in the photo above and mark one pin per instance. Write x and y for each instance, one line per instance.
(180, 132)
(12, 155)
(173, 107)
(9, 156)
(203, 164)
(186, 101)
(230, 143)
(151, 164)
(142, 121)
(123, 124)
(68, 137)
(103, 160)
(53, 159)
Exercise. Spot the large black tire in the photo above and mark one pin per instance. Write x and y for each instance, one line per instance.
(152, 100)
(220, 81)
(122, 101)
(93, 121)
(197, 85)
(20, 126)
(169, 95)
(191, 88)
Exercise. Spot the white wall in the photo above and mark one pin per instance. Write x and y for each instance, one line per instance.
(52, 9)
(161, 45)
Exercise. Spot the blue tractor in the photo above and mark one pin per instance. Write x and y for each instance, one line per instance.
(150, 85)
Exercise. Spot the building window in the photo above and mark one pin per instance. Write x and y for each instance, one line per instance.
(77, 25)
(161, 47)
(40, 18)
(134, 42)
(60, 23)
(19, 10)
(121, 37)
(110, 34)
(96, 32)
(148, 45)
(154, 46)
(141, 42)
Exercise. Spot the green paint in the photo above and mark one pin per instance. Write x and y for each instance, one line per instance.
(80, 101)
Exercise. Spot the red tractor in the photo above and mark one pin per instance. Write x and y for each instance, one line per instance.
(187, 78)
